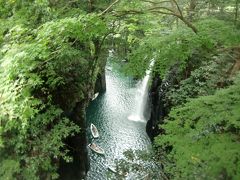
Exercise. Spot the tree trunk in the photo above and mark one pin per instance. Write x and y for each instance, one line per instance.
(222, 9)
(189, 24)
(90, 6)
(191, 9)
(236, 11)
(177, 22)
(209, 9)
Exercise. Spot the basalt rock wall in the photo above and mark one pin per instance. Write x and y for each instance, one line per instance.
(78, 168)
(160, 106)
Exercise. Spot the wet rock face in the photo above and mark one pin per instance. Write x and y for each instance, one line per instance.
(160, 107)
(151, 128)
(100, 85)
(78, 143)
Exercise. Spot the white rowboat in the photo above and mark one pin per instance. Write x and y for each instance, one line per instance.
(112, 169)
(96, 148)
(94, 131)
(95, 96)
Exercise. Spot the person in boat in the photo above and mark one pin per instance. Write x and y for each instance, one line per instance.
(93, 145)
(94, 130)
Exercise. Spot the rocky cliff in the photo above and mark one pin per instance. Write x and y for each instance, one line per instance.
(77, 145)
(160, 106)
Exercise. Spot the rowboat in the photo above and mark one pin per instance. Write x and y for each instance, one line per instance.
(94, 131)
(109, 68)
(96, 148)
(95, 96)
(112, 169)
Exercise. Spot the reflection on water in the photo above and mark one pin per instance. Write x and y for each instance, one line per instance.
(109, 112)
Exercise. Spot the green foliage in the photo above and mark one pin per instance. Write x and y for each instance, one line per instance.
(220, 33)
(45, 72)
(179, 46)
(9, 168)
(29, 13)
(176, 48)
(203, 81)
(138, 164)
(204, 137)
(201, 139)
(201, 136)
(49, 61)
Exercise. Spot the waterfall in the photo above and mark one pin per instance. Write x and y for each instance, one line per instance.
(141, 97)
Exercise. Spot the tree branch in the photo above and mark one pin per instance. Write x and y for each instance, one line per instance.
(178, 8)
(156, 3)
(168, 9)
(127, 12)
(176, 11)
(109, 7)
(162, 12)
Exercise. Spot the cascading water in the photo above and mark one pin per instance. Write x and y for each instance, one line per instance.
(141, 97)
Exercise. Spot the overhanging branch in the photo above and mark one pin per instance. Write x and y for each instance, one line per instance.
(109, 7)
(158, 7)
(178, 8)
(155, 3)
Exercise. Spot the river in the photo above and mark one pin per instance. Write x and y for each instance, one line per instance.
(109, 112)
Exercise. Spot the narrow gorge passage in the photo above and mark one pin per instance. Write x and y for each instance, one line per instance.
(110, 112)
